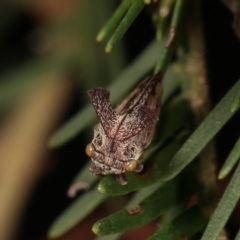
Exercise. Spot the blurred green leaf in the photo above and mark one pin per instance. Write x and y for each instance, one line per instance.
(167, 232)
(231, 161)
(236, 103)
(76, 212)
(203, 134)
(126, 22)
(85, 176)
(238, 235)
(118, 89)
(109, 237)
(95, 66)
(162, 17)
(224, 208)
(183, 227)
(21, 78)
(171, 194)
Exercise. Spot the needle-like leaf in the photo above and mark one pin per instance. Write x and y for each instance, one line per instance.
(114, 20)
(76, 212)
(19, 79)
(184, 226)
(203, 134)
(238, 235)
(85, 176)
(126, 22)
(224, 208)
(231, 161)
(171, 194)
(138, 197)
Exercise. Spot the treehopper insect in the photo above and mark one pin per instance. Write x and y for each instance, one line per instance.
(122, 134)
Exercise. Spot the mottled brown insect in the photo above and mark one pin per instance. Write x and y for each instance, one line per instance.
(122, 134)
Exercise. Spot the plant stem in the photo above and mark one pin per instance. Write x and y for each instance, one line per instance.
(162, 15)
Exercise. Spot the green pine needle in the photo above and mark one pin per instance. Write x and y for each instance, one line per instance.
(15, 82)
(224, 208)
(203, 134)
(126, 22)
(238, 235)
(236, 103)
(166, 198)
(147, 1)
(75, 213)
(183, 227)
(231, 161)
(114, 20)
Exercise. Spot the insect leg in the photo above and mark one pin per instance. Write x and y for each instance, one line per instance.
(121, 178)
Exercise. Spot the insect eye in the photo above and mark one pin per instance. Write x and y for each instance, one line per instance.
(89, 150)
(131, 166)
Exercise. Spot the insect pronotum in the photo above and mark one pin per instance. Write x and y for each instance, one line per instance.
(122, 134)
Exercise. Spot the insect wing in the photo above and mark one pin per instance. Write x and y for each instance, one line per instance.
(106, 114)
(135, 122)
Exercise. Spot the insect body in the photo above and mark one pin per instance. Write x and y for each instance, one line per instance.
(122, 134)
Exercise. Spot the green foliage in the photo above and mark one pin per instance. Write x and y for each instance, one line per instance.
(110, 186)
(173, 165)
(236, 103)
(186, 225)
(76, 213)
(169, 153)
(231, 160)
(114, 20)
(16, 82)
(238, 236)
(203, 134)
(166, 197)
(224, 208)
(131, 14)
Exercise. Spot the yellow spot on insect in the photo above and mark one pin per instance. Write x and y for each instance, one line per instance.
(131, 166)
(89, 150)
